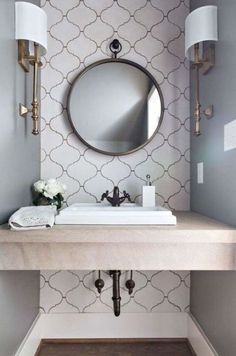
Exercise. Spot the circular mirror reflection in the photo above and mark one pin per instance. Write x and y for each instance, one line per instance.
(115, 106)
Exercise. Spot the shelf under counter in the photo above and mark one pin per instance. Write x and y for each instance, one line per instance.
(195, 243)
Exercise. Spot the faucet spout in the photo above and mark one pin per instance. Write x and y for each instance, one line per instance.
(116, 192)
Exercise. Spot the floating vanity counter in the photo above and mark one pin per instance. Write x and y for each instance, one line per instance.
(195, 243)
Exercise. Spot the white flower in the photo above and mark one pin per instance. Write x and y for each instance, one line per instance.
(49, 188)
(51, 181)
(39, 186)
(52, 188)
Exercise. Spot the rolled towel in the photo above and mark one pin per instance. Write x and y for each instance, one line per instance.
(33, 218)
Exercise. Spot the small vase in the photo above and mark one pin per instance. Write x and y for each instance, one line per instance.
(42, 200)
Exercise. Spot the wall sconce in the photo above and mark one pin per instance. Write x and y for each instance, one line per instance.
(31, 33)
(201, 26)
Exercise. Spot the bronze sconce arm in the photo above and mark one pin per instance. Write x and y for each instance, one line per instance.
(201, 26)
(24, 60)
(206, 65)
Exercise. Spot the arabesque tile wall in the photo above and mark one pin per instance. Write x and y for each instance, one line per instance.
(152, 34)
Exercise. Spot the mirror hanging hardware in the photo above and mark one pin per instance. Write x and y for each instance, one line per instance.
(115, 47)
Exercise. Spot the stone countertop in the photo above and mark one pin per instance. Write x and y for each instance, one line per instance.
(195, 243)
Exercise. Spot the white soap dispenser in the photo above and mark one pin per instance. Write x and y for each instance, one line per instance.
(149, 199)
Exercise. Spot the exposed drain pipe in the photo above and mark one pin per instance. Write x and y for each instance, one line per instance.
(116, 291)
(115, 275)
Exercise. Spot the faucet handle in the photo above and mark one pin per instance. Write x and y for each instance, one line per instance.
(105, 195)
(127, 196)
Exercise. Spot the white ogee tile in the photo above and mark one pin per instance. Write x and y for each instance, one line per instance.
(149, 47)
(63, 5)
(82, 170)
(132, 31)
(115, 16)
(87, 173)
(65, 62)
(166, 31)
(132, 6)
(65, 31)
(98, 31)
(81, 15)
(166, 6)
(149, 16)
(82, 47)
(98, 6)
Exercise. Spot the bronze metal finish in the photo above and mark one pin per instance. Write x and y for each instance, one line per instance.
(206, 65)
(24, 59)
(197, 110)
(99, 283)
(116, 291)
(130, 284)
(116, 200)
(115, 274)
(23, 54)
(115, 47)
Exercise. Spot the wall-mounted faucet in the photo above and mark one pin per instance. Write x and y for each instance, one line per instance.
(116, 199)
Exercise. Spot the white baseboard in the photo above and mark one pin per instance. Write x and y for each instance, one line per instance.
(31, 340)
(198, 339)
(102, 325)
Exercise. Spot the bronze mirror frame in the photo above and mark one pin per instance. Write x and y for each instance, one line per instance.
(115, 60)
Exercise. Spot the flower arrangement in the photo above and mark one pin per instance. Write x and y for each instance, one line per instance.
(49, 192)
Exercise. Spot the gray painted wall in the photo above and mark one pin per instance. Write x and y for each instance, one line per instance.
(19, 150)
(216, 197)
(19, 305)
(213, 294)
(213, 303)
(19, 168)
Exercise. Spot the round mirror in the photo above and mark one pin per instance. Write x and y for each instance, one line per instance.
(115, 106)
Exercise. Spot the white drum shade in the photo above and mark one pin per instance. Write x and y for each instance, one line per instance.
(200, 26)
(31, 24)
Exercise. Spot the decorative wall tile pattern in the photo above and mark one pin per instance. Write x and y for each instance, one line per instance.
(152, 34)
(74, 291)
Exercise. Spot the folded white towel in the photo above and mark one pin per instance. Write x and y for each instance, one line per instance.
(33, 217)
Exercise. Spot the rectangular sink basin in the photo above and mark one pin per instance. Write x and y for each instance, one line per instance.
(126, 214)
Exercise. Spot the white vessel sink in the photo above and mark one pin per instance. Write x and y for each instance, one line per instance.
(126, 214)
